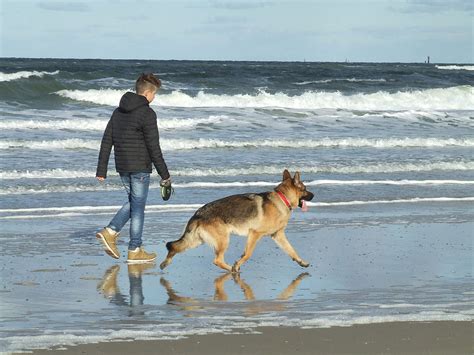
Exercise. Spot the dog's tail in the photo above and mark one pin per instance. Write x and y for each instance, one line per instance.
(189, 239)
(169, 246)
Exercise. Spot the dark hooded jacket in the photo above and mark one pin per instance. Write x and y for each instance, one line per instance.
(133, 132)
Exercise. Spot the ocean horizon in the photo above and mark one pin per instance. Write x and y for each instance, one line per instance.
(421, 61)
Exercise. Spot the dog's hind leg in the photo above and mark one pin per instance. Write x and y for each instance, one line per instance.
(280, 238)
(219, 293)
(219, 239)
(252, 240)
(219, 261)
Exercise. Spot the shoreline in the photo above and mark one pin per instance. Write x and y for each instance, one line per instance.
(440, 337)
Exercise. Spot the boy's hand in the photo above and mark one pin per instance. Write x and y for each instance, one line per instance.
(100, 178)
(165, 183)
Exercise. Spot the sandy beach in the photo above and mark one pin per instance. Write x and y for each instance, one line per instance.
(386, 338)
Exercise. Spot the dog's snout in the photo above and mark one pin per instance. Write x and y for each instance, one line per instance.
(309, 196)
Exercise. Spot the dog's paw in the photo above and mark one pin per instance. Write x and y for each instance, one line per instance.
(302, 275)
(164, 264)
(303, 263)
(235, 269)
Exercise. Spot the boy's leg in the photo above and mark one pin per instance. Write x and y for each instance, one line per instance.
(139, 185)
(123, 214)
(108, 236)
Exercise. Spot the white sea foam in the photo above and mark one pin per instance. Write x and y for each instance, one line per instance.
(453, 98)
(389, 182)
(24, 75)
(202, 143)
(221, 325)
(45, 212)
(99, 125)
(456, 67)
(95, 208)
(324, 143)
(354, 80)
(175, 123)
(425, 316)
(77, 125)
(26, 190)
(324, 182)
(420, 306)
(109, 97)
(71, 188)
(352, 169)
(378, 202)
(218, 325)
(73, 143)
(84, 210)
(46, 174)
(270, 170)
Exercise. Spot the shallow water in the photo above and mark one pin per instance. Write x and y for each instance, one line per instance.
(367, 266)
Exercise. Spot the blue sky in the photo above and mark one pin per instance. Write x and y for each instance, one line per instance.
(312, 30)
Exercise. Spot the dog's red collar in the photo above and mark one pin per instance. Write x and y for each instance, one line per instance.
(284, 199)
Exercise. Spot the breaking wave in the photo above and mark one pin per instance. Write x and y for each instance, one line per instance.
(99, 125)
(453, 98)
(71, 188)
(270, 170)
(355, 169)
(89, 210)
(80, 125)
(188, 144)
(74, 143)
(352, 80)
(24, 75)
(410, 200)
(456, 67)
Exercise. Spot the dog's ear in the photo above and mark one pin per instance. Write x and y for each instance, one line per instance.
(297, 177)
(286, 175)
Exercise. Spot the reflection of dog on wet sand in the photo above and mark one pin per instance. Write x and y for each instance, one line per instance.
(190, 304)
(251, 215)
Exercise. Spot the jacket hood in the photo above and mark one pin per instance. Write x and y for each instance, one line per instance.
(131, 101)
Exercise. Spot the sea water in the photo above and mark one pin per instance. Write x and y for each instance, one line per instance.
(387, 148)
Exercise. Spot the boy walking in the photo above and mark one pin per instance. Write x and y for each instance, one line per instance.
(133, 131)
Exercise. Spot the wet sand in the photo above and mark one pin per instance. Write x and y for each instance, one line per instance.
(387, 338)
(385, 288)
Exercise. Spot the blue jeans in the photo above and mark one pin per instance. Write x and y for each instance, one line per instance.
(136, 185)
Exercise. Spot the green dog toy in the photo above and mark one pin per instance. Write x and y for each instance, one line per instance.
(166, 189)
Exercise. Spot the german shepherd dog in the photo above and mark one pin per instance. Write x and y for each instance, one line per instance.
(251, 215)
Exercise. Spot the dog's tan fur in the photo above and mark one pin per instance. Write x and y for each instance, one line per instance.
(250, 215)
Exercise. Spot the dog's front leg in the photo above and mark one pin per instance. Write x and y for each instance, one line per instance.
(280, 238)
(290, 290)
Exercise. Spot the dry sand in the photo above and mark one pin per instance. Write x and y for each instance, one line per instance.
(385, 338)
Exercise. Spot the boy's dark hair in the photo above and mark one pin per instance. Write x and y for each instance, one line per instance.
(147, 82)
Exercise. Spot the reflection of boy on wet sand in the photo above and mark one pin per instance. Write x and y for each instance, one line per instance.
(109, 288)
